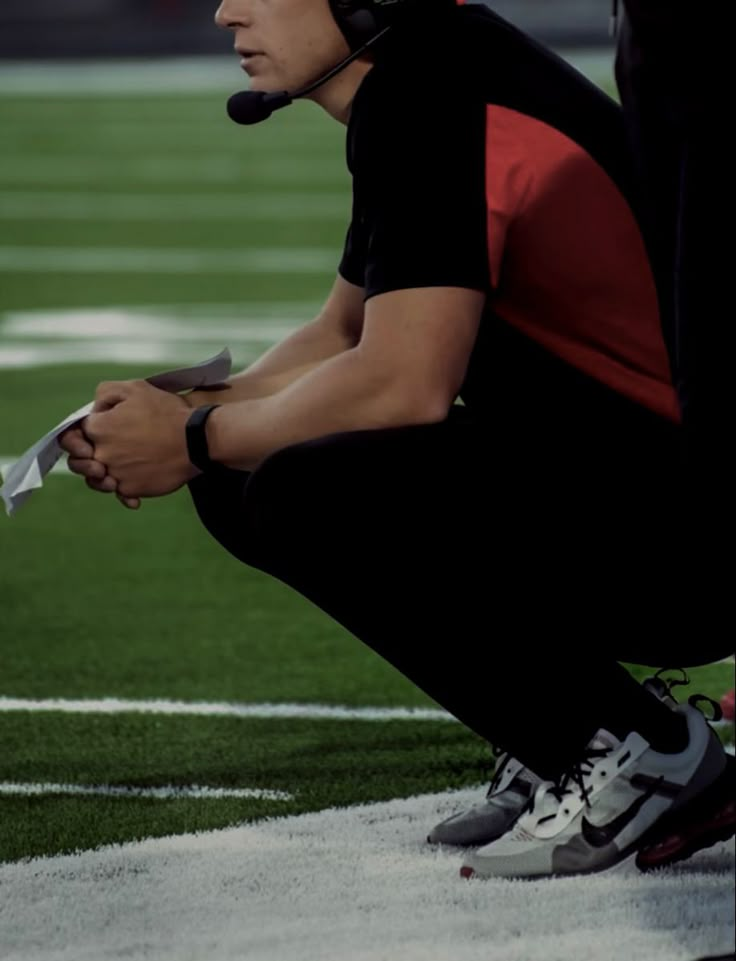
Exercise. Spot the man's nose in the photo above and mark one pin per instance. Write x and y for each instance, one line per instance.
(231, 13)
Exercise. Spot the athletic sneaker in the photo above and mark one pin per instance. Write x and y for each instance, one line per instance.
(605, 807)
(509, 793)
(707, 819)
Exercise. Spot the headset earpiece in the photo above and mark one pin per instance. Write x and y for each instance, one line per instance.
(360, 20)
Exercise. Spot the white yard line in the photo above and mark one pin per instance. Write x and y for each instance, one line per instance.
(178, 207)
(352, 884)
(245, 311)
(169, 793)
(168, 260)
(158, 353)
(58, 468)
(330, 712)
(148, 335)
(114, 705)
(139, 324)
(123, 133)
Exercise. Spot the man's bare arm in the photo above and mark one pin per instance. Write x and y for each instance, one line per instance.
(337, 328)
(407, 369)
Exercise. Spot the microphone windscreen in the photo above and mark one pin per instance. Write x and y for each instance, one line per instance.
(253, 106)
(247, 107)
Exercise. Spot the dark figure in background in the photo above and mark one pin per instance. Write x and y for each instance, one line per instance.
(672, 73)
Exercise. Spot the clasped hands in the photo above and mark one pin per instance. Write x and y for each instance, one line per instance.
(133, 443)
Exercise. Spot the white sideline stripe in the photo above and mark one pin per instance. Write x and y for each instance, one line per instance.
(356, 883)
(172, 792)
(113, 705)
(278, 260)
(180, 207)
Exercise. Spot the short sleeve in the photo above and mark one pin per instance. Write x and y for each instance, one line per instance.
(352, 263)
(419, 213)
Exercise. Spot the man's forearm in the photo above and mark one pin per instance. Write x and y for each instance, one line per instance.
(343, 394)
(280, 366)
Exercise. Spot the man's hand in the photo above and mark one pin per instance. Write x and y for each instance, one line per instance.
(82, 461)
(138, 435)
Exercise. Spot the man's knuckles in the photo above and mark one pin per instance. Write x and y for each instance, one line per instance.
(113, 387)
(106, 486)
(86, 467)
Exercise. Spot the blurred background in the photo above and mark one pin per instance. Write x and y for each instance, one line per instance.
(88, 28)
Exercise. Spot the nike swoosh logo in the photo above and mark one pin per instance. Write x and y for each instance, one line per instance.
(599, 835)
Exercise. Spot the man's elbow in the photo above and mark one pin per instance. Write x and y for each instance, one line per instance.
(426, 406)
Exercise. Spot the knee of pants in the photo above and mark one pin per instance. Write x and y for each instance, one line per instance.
(282, 497)
(325, 492)
(218, 499)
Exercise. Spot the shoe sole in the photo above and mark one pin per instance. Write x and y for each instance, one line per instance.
(707, 820)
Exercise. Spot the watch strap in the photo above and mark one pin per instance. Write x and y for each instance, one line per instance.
(196, 437)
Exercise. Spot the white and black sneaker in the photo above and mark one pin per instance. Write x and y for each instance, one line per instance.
(605, 807)
(510, 792)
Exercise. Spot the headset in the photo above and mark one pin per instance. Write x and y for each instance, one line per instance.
(360, 20)
(363, 23)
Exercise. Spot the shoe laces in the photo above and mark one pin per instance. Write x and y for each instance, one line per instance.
(575, 780)
(501, 765)
(694, 700)
(665, 685)
(523, 780)
(578, 773)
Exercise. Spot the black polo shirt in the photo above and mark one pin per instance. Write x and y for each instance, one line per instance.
(482, 160)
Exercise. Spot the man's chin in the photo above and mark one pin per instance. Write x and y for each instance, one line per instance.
(261, 84)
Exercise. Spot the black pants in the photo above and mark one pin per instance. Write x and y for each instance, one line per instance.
(504, 560)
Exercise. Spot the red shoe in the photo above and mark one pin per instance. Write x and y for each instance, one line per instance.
(706, 820)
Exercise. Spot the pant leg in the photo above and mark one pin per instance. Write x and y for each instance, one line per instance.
(441, 548)
(218, 498)
(375, 528)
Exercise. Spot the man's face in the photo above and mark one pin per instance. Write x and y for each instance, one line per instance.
(285, 44)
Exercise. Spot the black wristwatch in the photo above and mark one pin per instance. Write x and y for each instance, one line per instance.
(197, 448)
